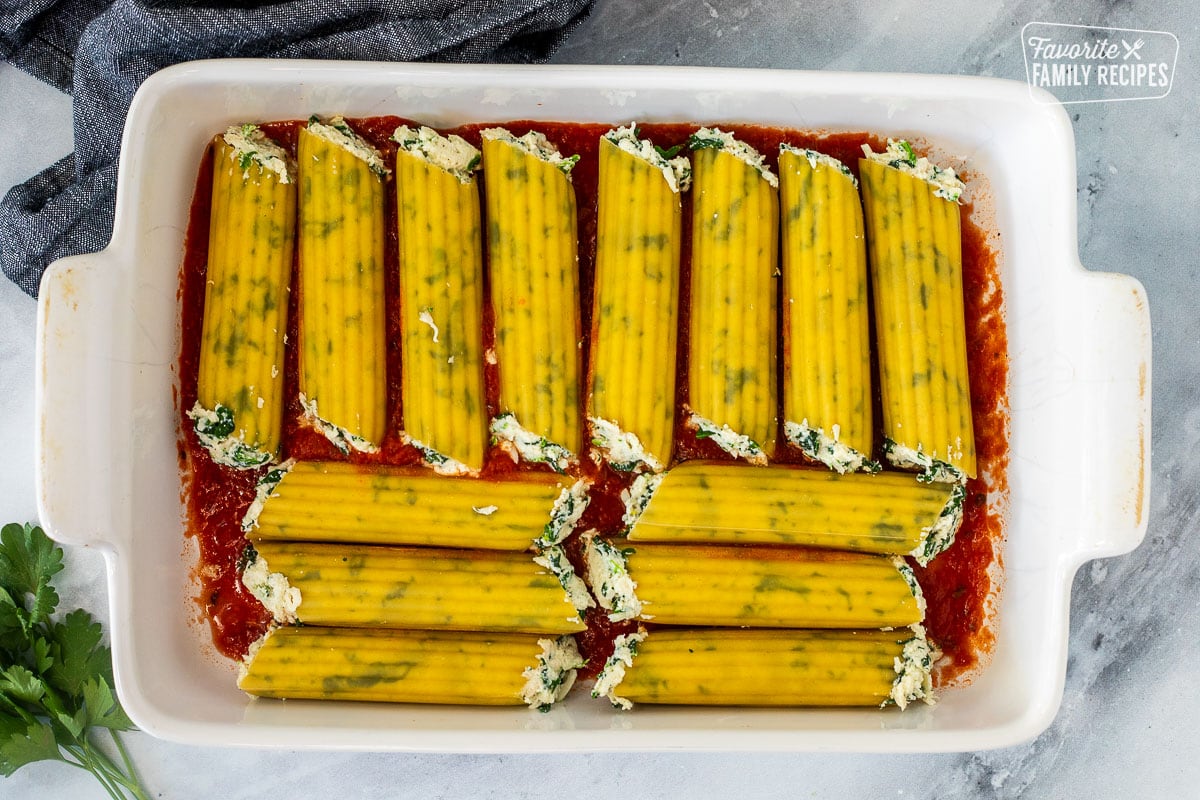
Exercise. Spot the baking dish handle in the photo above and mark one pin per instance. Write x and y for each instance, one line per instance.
(74, 354)
(1110, 353)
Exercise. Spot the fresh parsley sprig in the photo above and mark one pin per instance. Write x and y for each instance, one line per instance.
(55, 676)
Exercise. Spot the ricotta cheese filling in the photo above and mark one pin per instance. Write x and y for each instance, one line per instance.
(552, 677)
(899, 154)
(910, 578)
(535, 144)
(426, 317)
(826, 448)
(336, 131)
(738, 445)
(818, 159)
(251, 146)
(913, 667)
(521, 443)
(441, 463)
(554, 558)
(251, 652)
(623, 451)
(938, 537)
(486, 511)
(933, 470)
(453, 154)
(608, 575)
(625, 648)
(564, 515)
(677, 171)
(263, 490)
(214, 428)
(717, 139)
(341, 438)
(271, 588)
(637, 497)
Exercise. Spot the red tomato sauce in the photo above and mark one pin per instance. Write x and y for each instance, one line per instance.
(956, 584)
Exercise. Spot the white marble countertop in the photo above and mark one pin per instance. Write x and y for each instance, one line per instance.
(1132, 692)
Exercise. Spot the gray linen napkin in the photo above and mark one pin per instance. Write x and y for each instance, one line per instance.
(100, 51)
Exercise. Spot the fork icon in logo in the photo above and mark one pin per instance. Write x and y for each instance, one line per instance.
(1132, 49)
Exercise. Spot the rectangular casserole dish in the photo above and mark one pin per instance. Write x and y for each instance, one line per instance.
(107, 390)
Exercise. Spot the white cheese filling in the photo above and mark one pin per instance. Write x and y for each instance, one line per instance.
(521, 443)
(441, 463)
(564, 515)
(272, 590)
(938, 537)
(717, 139)
(251, 652)
(341, 438)
(215, 430)
(263, 491)
(623, 451)
(828, 449)
(816, 159)
(486, 511)
(625, 649)
(910, 578)
(554, 558)
(637, 497)
(426, 316)
(913, 667)
(552, 677)
(251, 146)
(899, 154)
(677, 171)
(535, 144)
(336, 131)
(453, 154)
(933, 470)
(738, 445)
(608, 575)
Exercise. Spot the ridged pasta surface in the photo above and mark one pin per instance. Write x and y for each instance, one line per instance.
(915, 246)
(732, 333)
(636, 305)
(826, 315)
(343, 365)
(441, 311)
(706, 502)
(534, 272)
(407, 587)
(252, 233)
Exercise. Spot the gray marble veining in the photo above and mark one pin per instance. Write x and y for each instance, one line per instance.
(1127, 724)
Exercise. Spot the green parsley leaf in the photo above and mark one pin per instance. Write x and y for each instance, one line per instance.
(102, 707)
(36, 743)
(78, 656)
(27, 563)
(55, 675)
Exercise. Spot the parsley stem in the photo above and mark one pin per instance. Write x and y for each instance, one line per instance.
(129, 770)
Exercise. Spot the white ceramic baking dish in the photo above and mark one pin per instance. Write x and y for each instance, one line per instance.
(108, 341)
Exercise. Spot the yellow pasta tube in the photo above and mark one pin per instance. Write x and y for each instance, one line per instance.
(635, 308)
(343, 368)
(760, 587)
(534, 270)
(252, 231)
(441, 299)
(718, 667)
(916, 268)
(705, 502)
(735, 231)
(400, 666)
(827, 356)
(335, 502)
(408, 587)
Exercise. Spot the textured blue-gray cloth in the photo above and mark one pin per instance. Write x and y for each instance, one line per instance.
(100, 51)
